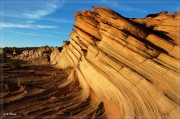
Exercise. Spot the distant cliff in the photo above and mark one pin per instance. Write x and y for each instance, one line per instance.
(124, 62)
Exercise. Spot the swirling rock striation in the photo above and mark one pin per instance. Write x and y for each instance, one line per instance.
(123, 63)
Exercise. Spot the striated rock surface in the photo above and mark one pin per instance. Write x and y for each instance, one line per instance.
(122, 66)
(163, 22)
(40, 54)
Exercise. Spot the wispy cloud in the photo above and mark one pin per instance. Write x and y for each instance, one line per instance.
(37, 14)
(30, 34)
(10, 25)
(51, 32)
(44, 26)
(59, 20)
(29, 21)
(61, 32)
(31, 10)
(29, 26)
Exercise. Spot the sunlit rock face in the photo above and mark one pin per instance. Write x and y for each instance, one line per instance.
(165, 23)
(123, 65)
(1, 52)
(40, 54)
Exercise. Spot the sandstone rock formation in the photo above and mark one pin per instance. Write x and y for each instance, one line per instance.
(1, 52)
(164, 22)
(122, 65)
(40, 54)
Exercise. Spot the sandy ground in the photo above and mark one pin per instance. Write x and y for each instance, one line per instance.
(36, 91)
(33, 85)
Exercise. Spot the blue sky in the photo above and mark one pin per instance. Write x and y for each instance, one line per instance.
(29, 23)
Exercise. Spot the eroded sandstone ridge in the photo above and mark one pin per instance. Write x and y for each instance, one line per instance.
(39, 54)
(124, 63)
(163, 22)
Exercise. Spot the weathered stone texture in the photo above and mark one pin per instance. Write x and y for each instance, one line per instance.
(125, 63)
(40, 54)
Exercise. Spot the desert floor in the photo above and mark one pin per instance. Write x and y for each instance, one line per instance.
(27, 90)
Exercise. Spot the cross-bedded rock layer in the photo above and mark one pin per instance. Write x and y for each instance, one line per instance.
(123, 62)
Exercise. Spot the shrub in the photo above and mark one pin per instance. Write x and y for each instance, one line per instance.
(32, 72)
(21, 82)
(15, 64)
(24, 67)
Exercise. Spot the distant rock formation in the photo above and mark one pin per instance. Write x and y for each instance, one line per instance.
(165, 23)
(123, 62)
(40, 54)
(2, 54)
(1, 51)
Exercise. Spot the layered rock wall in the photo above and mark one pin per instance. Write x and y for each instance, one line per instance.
(163, 23)
(123, 62)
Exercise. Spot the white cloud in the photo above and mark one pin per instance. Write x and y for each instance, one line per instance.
(30, 34)
(36, 15)
(30, 26)
(10, 25)
(39, 13)
(52, 32)
(61, 32)
(44, 26)
(59, 20)
(30, 21)
(31, 10)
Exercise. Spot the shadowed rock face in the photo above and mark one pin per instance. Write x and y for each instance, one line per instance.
(122, 63)
(163, 23)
